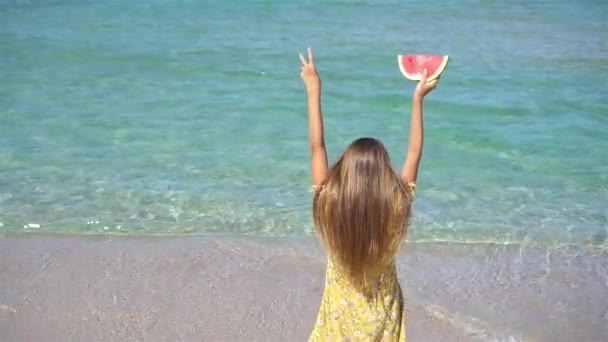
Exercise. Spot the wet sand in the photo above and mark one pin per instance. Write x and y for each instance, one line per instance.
(221, 289)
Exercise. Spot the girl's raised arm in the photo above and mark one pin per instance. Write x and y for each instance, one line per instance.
(414, 150)
(310, 76)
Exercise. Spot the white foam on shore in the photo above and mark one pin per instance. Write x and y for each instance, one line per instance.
(473, 327)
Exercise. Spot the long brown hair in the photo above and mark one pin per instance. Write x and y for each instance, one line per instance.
(362, 210)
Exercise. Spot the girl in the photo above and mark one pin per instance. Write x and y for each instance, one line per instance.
(361, 211)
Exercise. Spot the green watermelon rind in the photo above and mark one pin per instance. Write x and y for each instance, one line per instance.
(429, 77)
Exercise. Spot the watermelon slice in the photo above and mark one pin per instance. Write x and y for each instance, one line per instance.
(412, 66)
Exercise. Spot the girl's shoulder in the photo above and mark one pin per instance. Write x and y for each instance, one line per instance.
(412, 186)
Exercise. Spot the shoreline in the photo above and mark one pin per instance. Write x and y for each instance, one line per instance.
(210, 288)
(592, 249)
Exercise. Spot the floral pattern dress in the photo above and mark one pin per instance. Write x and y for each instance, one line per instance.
(348, 314)
(374, 313)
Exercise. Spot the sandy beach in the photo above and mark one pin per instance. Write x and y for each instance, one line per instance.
(203, 289)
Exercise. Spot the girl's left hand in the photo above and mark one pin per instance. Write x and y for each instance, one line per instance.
(309, 73)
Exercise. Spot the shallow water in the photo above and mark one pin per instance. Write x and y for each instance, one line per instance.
(149, 117)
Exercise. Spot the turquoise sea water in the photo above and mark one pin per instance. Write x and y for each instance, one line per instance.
(189, 117)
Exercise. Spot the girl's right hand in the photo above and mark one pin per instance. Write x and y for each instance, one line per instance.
(424, 87)
(309, 73)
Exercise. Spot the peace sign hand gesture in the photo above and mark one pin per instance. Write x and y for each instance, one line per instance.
(309, 73)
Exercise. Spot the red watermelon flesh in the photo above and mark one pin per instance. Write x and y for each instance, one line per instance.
(412, 66)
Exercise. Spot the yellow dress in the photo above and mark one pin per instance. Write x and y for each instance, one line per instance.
(347, 314)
